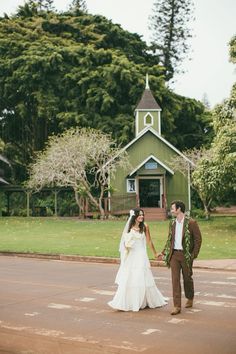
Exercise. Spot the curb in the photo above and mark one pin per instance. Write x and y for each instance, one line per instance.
(74, 258)
(92, 259)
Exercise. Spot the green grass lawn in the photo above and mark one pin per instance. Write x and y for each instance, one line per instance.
(101, 238)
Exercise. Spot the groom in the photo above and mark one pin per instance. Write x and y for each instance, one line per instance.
(182, 246)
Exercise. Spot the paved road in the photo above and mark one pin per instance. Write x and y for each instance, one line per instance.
(49, 307)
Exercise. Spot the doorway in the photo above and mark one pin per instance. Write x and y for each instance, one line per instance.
(150, 193)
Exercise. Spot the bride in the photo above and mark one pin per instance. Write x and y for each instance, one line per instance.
(136, 285)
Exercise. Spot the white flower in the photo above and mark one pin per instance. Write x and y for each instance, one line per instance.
(131, 212)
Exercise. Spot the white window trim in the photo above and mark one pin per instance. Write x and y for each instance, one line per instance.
(148, 124)
(128, 185)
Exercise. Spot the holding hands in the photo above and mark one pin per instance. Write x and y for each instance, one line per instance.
(159, 257)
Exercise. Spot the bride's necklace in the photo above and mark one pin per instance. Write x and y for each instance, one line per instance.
(135, 228)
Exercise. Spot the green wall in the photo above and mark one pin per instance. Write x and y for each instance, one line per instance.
(142, 114)
(149, 144)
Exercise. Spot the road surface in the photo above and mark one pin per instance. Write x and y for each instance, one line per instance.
(49, 307)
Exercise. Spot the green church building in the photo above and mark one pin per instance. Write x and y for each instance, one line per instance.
(150, 183)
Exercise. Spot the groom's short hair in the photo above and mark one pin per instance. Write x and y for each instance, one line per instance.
(179, 204)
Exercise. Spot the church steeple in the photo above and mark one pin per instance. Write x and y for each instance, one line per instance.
(147, 83)
(147, 112)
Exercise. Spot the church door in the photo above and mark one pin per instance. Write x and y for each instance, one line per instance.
(150, 192)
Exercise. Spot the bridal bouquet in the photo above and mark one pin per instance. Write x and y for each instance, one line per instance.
(129, 241)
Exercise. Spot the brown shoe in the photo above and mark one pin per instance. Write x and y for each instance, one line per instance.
(189, 303)
(175, 311)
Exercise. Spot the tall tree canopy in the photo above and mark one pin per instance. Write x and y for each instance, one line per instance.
(170, 32)
(78, 6)
(214, 169)
(61, 70)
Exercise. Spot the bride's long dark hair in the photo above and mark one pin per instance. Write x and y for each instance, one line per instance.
(142, 227)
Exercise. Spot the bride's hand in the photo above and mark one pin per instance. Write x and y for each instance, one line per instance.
(160, 257)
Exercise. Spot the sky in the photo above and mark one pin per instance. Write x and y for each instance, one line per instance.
(209, 71)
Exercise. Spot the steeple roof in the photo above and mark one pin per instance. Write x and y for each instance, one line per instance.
(147, 101)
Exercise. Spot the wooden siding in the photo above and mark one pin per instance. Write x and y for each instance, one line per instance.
(176, 186)
(142, 114)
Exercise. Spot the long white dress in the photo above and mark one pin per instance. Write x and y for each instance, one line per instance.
(136, 285)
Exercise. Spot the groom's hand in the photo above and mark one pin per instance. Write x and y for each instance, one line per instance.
(160, 257)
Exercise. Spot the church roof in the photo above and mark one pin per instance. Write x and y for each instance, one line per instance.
(150, 129)
(147, 101)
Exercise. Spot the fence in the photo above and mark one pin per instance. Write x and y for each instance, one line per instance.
(117, 205)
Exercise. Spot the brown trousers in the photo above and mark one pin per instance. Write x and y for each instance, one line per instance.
(177, 263)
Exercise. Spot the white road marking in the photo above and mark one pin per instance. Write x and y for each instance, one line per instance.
(81, 339)
(59, 306)
(194, 311)
(15, 328)
(161, 278)
(215, 303)
(150, 331)
(226, 296)
(219, 295)
(104, 292)
(223, 283)
(86, 299)
(176, 321)
(32, 314)
(128, 347)
(216, 282)
(48, 332)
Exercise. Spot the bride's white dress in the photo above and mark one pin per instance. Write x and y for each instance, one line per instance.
(136, 285)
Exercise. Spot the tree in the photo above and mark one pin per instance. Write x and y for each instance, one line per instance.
(170, 32)
(78, 6)
(34, 8)
(192, 125)
(63, 70)
(3, 162)
(214, 169)
(70, 69)
(188, 169)
(205, 101)
(232, 49)
(82, 159)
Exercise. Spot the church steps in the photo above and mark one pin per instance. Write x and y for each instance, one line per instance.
(153, 214)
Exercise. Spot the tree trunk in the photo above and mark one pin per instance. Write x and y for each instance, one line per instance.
(102, 212)
(207, 208)
(98, 204)
(79, 203)
(207, 213)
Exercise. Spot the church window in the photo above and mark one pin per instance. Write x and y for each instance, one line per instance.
(148, 120)
(131, 187)
(151, 165)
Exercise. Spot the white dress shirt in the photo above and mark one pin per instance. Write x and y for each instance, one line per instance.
(178, 234)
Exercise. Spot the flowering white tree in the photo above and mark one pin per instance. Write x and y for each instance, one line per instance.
(197, 156)
(81, 159)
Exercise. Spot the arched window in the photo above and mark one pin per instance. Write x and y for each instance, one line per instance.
(148, 120)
